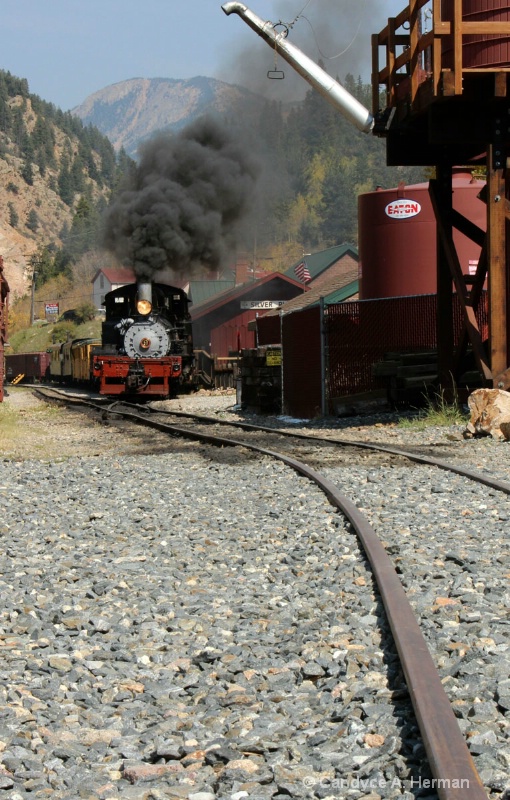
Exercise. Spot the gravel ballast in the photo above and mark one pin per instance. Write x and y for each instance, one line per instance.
(200, 623)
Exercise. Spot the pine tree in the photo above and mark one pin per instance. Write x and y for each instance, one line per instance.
(65, 183)
(77, 175)
(13, 215)
(32, 221)
(27, 173)
(83, 233)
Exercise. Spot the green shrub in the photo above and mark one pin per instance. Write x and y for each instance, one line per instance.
(437, 411)
(85, 313)
(63, 331)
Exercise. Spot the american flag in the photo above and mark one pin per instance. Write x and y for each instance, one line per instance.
(302, 272)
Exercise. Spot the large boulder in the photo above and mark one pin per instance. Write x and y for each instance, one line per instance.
(490, 414)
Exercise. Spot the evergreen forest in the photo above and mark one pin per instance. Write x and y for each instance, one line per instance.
(322, 163)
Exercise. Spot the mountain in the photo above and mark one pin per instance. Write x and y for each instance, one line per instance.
(51, 168)
(131, 111)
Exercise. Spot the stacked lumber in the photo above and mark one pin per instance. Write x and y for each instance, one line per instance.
(407, 374)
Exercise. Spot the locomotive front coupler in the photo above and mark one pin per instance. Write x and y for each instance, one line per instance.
(136, 377)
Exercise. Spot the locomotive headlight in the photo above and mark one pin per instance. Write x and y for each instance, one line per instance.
(144, 307)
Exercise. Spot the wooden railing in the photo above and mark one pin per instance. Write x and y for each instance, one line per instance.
(414, 57)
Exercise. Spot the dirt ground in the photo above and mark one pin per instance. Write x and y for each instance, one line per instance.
(31, 428)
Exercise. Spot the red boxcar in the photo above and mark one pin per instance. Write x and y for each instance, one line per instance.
(33, 366)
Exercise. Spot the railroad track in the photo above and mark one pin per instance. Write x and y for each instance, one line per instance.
(450, 761)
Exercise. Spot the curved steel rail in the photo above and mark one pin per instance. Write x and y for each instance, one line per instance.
(494, 483)
(452, 766)
(449, 757)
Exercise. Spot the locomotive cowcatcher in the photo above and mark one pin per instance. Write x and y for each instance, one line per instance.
(147, 348)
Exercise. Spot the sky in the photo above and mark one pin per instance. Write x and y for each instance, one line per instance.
(69, 49)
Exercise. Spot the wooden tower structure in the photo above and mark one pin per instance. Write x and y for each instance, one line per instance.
(441, 98)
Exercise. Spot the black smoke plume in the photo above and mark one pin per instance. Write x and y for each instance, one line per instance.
(185, 202)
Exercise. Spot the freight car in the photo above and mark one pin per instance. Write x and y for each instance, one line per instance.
(31, 367)
(4, 296)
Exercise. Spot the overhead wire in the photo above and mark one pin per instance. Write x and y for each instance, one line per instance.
(300, 15)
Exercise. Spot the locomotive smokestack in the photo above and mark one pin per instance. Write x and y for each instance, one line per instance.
(144, 291)
(330, 89)
(144, 297)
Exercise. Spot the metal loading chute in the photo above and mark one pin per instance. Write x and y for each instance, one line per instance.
(327, 86)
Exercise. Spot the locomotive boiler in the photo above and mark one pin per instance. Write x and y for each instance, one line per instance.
(146, 344)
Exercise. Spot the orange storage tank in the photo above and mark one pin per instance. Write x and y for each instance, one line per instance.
(397, 237)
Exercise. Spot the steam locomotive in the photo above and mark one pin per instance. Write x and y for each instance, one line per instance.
(146, 343)
(145, 351)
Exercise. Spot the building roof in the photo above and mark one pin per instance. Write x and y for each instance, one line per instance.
(321, 261)
(334, 290)
(219, 300)
(200, 291)
(343, 294)
(116, 275)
